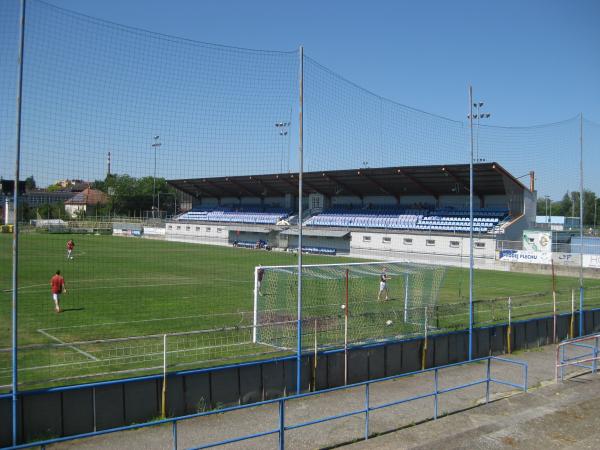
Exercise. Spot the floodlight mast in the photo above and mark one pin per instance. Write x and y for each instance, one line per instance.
(471, 227)
(300, 170)
(155, 146)
(15, 249)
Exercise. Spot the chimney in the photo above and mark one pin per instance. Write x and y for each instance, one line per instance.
(532, 181)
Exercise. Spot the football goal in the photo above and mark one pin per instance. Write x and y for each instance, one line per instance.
(344, 303)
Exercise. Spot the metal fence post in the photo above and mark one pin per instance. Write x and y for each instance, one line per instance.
(595, 362)
(487, 382)
(562, 359)
(174, 435)
(281, 424)
(509, 329)
(435, 397)
(367, 411)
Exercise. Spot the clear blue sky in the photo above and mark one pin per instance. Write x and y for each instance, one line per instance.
(532, 61)
(92, 86)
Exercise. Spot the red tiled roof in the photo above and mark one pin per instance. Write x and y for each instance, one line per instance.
(88, 197)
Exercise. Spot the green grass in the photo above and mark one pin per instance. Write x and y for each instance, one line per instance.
(126, 287)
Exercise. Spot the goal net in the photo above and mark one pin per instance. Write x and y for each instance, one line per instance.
(344, 303)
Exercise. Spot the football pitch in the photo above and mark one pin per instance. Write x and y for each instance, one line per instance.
(124, 294)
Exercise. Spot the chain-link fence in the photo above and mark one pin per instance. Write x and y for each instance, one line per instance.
(158, 172)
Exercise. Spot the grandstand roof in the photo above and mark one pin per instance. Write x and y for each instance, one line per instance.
(450, 179)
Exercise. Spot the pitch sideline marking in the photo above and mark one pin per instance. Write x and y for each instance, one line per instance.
(60, 341)
(241, 313)
(128, 286)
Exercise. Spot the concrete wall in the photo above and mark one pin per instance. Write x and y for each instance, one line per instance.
(68, 412)
(485, 247)
(340, 244)
(196, 232)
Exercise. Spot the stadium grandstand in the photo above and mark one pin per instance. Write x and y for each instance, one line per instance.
(419, 210)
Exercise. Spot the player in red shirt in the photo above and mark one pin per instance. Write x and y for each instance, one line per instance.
(70, 247)
(57, 286)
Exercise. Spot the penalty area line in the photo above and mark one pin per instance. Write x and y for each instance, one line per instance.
(60, 341)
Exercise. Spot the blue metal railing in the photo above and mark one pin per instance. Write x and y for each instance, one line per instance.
(281, 403)
(587, 360)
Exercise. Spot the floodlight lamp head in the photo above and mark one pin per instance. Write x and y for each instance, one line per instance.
(480, 104)
(156, 137)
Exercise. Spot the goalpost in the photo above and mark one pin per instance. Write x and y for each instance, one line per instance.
(341, 304)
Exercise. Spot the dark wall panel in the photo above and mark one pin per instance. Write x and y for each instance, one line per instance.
(175, 396)
(141, 401)
(393, 359)
(250, 384)
(197, 393)
(411, 355)
(290, 375)
(273, 380)
(335, 369)
(453, 348)
(481, 342)
(42, 416)
(545, 331)
(358, 365)
(306, 374)
(531, 334)
(109, 406)
(519, 336)
(6, 422)
(588, 324)
(497, 337)
(596, 315)
(376, 362)
(320, 372)
(563, 325)
(441, 345)
(78, 411)
(224, 387)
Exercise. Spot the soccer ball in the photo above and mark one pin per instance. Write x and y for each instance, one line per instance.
(389, 322)
(343, 306)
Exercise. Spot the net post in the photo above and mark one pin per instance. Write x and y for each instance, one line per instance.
(553, 302)
(255, 314)
(15, 246)
(424, 354)
(164, 383)
(471, 227)
(300, 172)
(572, 327)
(581, 193)
(406, 298)
(346, 333)
(315, 360)
(509, 329)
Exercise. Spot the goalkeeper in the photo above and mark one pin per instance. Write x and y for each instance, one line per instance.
(383, 287)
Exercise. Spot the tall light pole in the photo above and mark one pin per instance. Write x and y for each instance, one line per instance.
(155, 146)
(283, 130)
(479, 115)
(471, 261)
(547, 197)
(595, 206)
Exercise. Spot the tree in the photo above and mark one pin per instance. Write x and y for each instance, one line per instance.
(565, 205)
(128, 194)
(30, 183)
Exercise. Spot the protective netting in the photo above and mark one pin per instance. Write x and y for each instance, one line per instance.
(402, 305)
(111, 113)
